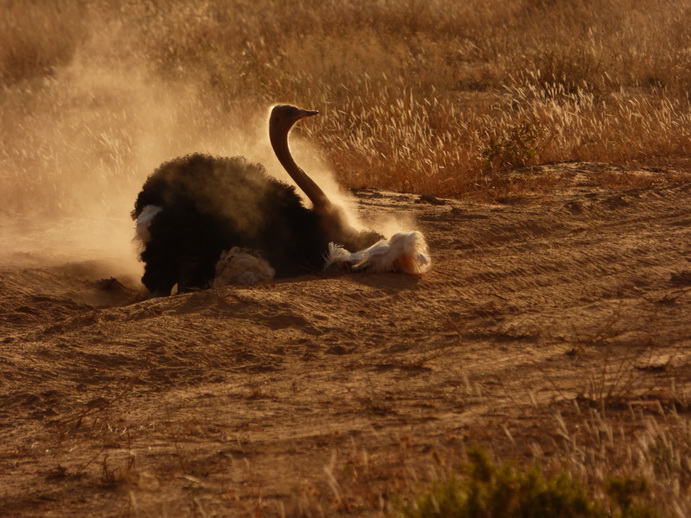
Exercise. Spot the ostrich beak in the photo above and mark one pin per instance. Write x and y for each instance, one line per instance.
(306, 113)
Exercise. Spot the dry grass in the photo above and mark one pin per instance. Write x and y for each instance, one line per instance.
(631, 459)
(429, 97)
(624, 457)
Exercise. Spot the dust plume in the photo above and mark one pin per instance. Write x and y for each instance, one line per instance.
(78, 145)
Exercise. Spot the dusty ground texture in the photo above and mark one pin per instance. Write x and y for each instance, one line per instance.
(329, 395)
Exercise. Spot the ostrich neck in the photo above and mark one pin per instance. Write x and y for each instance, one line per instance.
(279, 142)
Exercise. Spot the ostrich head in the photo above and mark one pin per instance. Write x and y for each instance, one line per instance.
(283, 116)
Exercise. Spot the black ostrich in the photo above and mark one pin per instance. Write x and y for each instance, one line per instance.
(193, 208)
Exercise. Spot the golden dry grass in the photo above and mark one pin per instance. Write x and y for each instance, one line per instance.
(429, 97)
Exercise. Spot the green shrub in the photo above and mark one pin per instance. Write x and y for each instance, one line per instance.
(485, 490)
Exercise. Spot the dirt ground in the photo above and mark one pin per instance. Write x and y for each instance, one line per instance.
(343, 394)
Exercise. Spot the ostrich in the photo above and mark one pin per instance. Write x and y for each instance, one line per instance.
(198, 214)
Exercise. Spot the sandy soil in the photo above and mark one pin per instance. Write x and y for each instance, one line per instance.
(338, 394)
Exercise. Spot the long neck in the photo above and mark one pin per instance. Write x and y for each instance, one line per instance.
(279, 142)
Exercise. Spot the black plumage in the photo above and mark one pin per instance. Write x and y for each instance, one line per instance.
(211, 204)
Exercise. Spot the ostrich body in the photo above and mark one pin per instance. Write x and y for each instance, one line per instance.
(193, 209)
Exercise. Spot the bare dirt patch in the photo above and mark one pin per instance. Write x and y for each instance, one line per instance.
(343, 394)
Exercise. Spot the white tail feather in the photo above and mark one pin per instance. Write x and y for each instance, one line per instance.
(144, 220)
(403, 253)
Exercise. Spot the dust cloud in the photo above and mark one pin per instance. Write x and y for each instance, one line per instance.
(78, 145)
